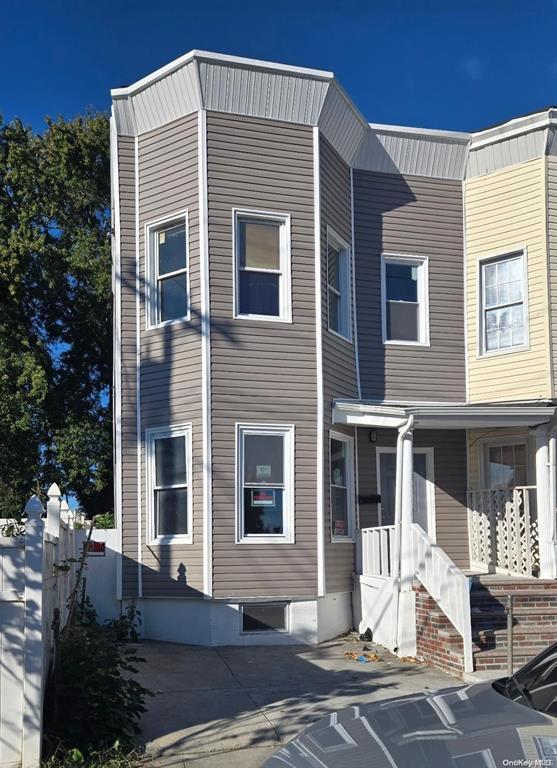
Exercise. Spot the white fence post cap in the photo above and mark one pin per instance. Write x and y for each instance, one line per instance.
(64, 506)
(54, 491)
(34, 507)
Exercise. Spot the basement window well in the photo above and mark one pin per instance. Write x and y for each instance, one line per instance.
(264, 617)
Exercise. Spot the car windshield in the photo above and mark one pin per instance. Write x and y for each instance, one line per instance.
(535, 685)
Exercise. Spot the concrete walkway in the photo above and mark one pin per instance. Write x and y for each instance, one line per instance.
(233, 707)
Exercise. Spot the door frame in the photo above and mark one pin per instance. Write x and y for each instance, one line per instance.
(430, 485)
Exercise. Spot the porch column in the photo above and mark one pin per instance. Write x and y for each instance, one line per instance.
(545, 509)
(407, 613)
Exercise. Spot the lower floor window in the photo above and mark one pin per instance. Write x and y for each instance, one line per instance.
(264, 617)
(265, 482)
(168, 462)
(342, 486)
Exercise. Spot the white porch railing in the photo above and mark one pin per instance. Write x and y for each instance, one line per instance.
(446, 584)
(378, 550)
(503, 530)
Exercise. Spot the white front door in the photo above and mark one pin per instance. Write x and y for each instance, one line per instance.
(424, 489)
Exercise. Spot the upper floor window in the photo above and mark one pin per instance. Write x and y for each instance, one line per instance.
(169, 483)
(503, 316)
(265, 483)
(342, 486)
(404, 282)
(338, 286)
(262, 265)
(167, 270)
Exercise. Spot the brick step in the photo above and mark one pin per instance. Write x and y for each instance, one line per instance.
(496, 638)
(488, 639)
(496, 659)
(522, 617)
(519, 601)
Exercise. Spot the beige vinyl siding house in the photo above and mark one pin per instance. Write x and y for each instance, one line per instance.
(506, 214)
(551, 190)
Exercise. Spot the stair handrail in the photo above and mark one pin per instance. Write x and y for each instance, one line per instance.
(446, 584)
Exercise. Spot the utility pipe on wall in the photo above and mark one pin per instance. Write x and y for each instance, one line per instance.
(402, 432)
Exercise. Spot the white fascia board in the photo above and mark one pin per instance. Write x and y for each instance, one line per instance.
(441, 416)
(219, 58)
(459, 136)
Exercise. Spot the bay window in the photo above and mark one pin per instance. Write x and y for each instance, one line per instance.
(167, 270)
(265, 483)
(262, 265)
(168, 460)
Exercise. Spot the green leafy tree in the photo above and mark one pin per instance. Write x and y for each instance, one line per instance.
(55, 311)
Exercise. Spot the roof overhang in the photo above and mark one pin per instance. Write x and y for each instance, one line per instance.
(360, 413)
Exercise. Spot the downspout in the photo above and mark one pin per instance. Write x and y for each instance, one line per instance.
(402, 432)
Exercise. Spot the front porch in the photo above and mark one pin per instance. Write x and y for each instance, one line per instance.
(440, 523)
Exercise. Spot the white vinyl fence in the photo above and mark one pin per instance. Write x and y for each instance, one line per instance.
(37, 576)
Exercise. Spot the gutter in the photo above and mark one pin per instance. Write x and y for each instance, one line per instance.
(402, 432)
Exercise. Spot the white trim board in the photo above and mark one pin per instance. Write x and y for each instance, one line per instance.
(117, 330)
(205, 355)
(320, 463)
(138, 377)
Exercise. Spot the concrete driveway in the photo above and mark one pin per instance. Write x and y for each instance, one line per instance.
(233, 707)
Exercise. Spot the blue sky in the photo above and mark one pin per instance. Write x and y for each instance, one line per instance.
(442, 64)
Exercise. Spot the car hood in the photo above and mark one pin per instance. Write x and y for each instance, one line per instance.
(468, 727)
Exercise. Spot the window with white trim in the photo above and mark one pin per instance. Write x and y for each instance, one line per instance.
(405, 313)
(506, 464)
(265, 483)
(342, 486)
(169, 483)
(167, 270)
(503, 297)
(262, 265)
(338, 286)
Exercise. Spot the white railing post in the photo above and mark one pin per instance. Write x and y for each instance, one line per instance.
(53, 507)
(33, 635)
(544, 506)
(406, 632)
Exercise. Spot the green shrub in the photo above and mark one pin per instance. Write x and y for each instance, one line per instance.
(94, 701)
(104, 521)
(114, 757)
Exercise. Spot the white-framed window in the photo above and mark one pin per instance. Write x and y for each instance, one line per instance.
(342, 495)
(264, 617)
(339, 286)
(503, 303)
(264, 483)
(505, 462)
(405, 299)
(262, 265)
(169, 492)
(167, 273)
